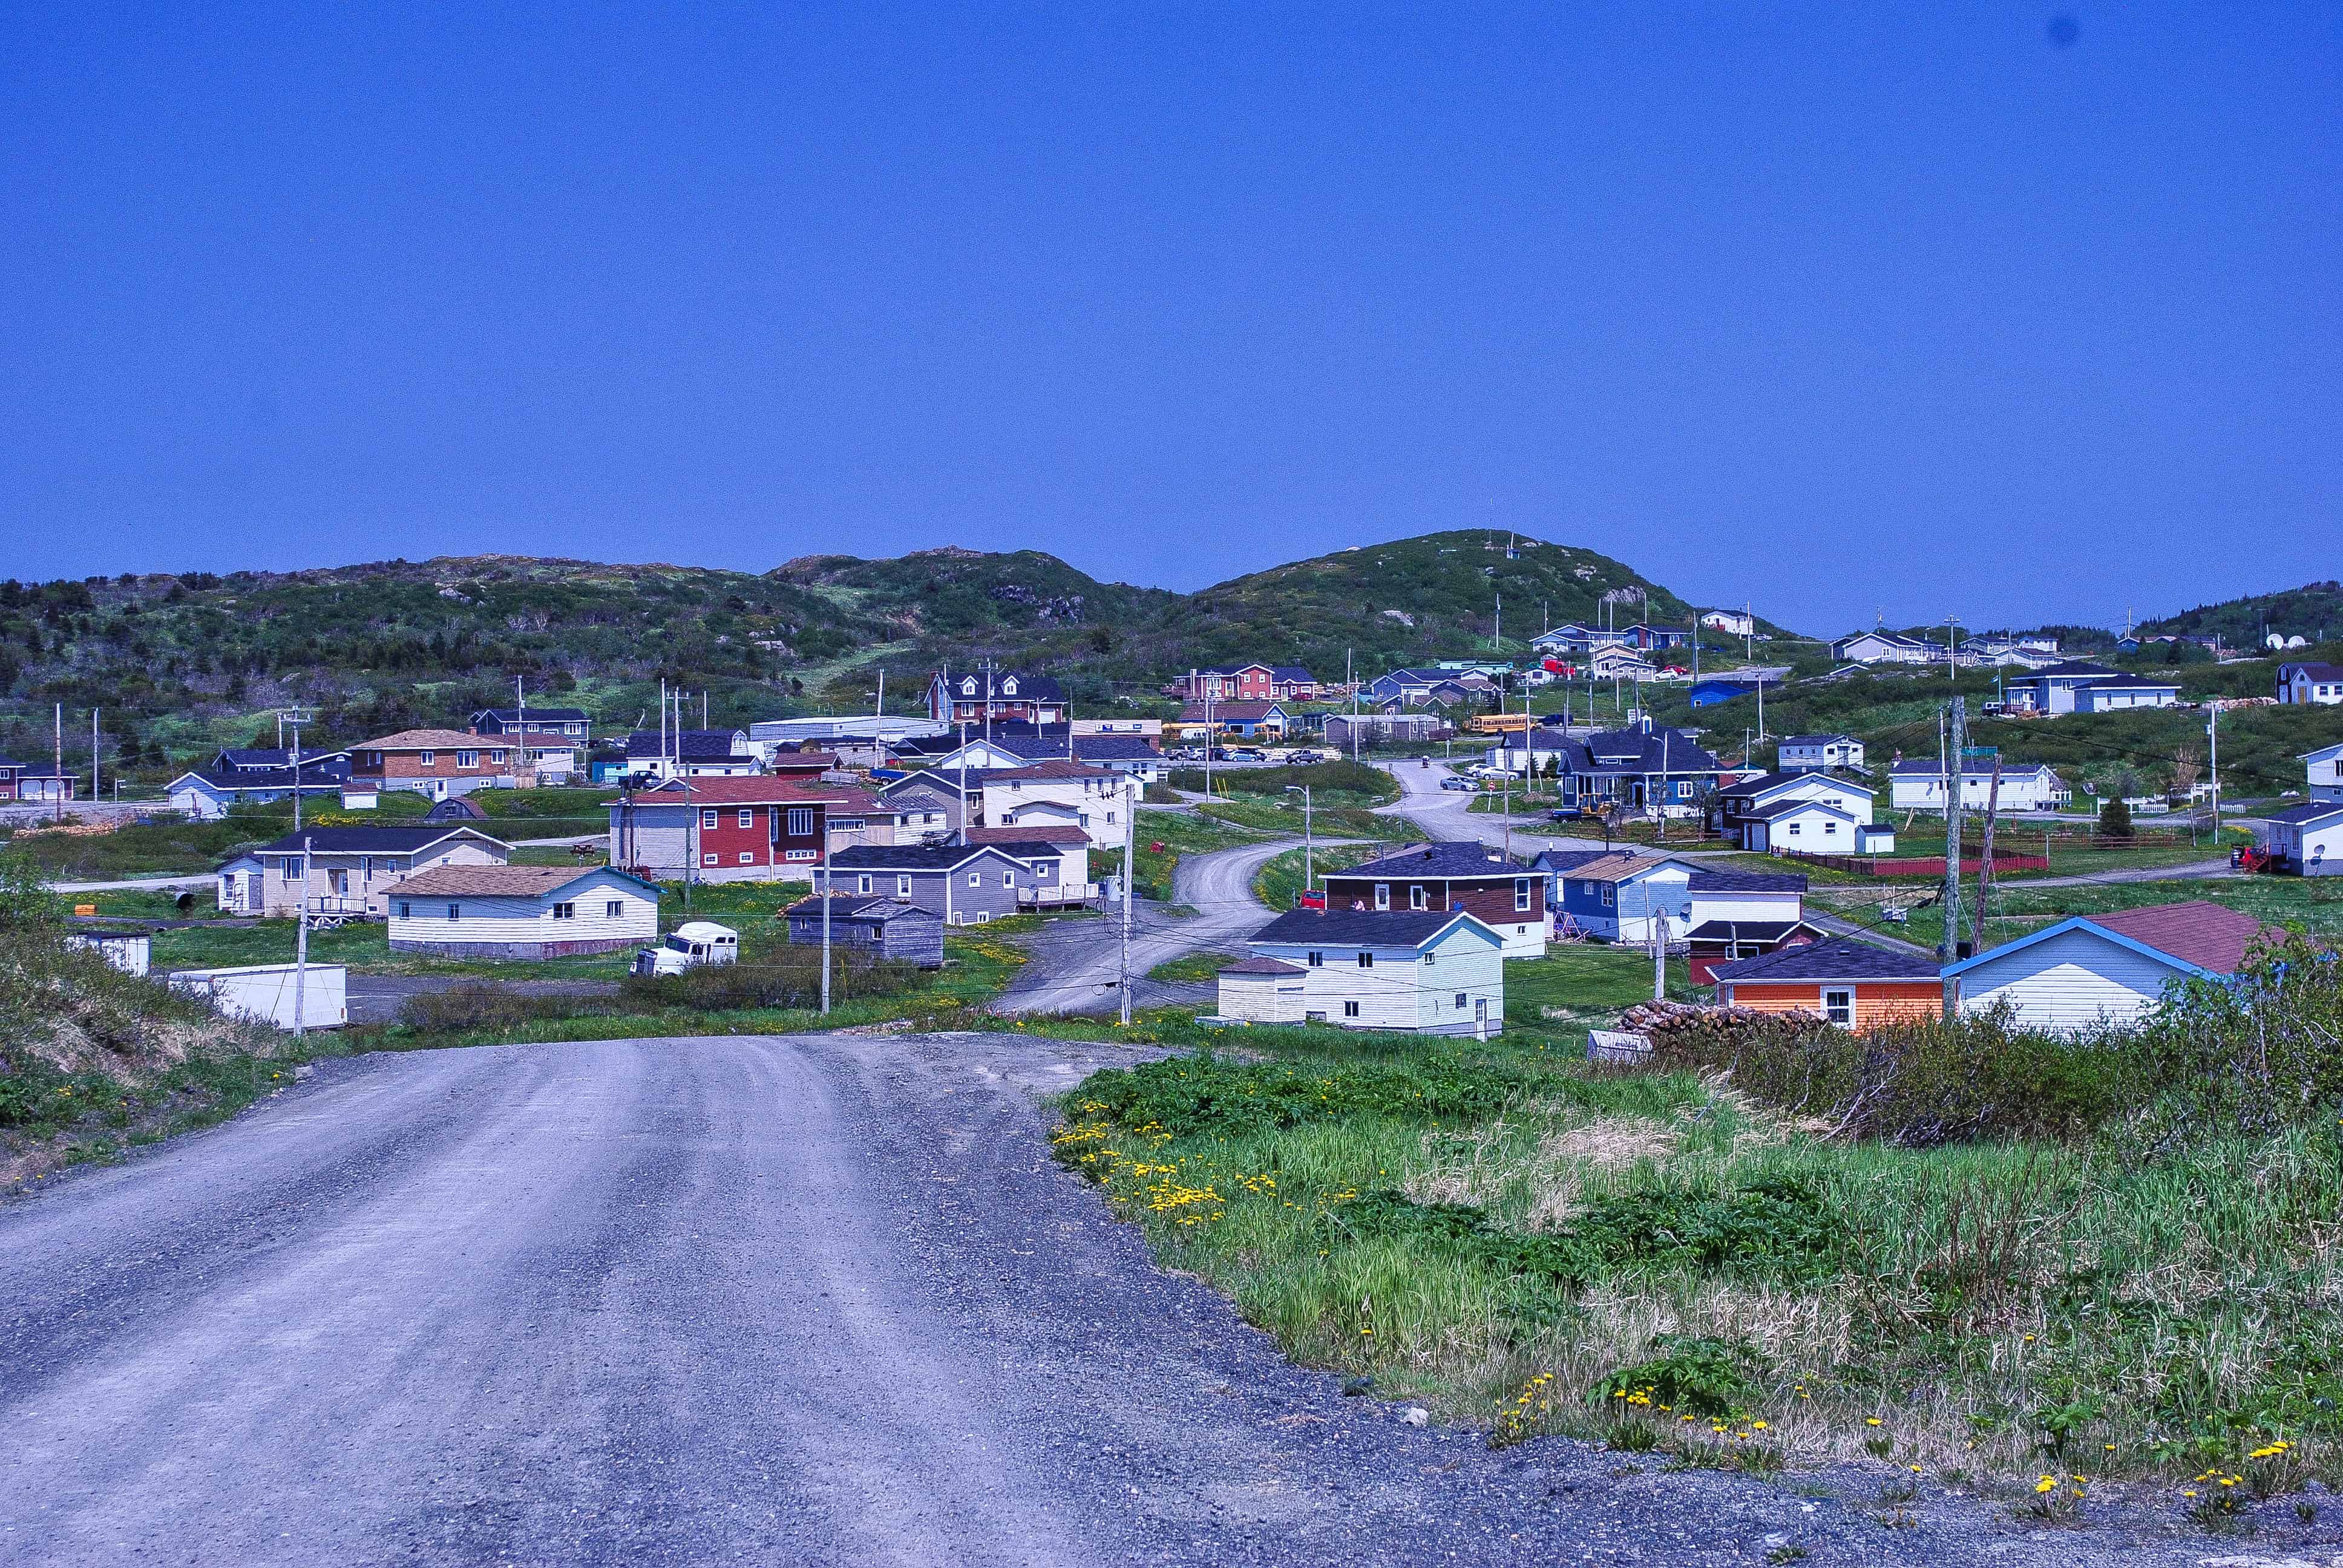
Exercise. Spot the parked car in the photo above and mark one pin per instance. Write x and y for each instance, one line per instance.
(1567, 814)
(690, 944)
(1247, 754)
(1314, 899)
(1296, 759)
(1454, 781)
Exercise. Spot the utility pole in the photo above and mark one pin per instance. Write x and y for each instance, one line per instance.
(61, 761)
(1351, 679)
(1659, 954)
(1129, 830)
(1985, 860)
(297, 718)
(301, 945)
(1949, 948)
(1212, 735)
(2213, 765)
(93, 760)
(828, 886)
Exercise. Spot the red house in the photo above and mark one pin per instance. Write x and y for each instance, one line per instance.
(739, 829)
(1249, 683)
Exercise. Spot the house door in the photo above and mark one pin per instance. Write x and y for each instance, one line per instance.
(1481, 1019)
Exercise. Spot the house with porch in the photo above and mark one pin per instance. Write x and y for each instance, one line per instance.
(740, 830)
(692, 754)
(1245, 720)
(1647, 768)
(347, 871)
(1402, 689)
(1919, 786)
(1745, 809)
(1880, 647)
(1573, 640)
(436, 763)
(1405, 970)
(962, 884)
(1253, 682)
(1057, 793)
(571, 725)
(2307, 839)
(1507, 897)
(973, 695)
(1805, 753)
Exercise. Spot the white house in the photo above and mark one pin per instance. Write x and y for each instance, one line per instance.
(1418, 971)
(1919, 786)
(1264, 991)
(2307, 839)
(1735, 622)
(2078, 686)
(2320, 683)
(1622, 897)
(1807, 827)
(2324, 770)
(1883, 648)
(1059, 793)
(2105, 969)
(2126, 691)
(1744, 809)
(521, 911)
(1803, 753)
(1745, 898)
(347, 871)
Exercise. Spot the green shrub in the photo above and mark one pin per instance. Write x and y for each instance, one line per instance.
(2115, 820)
(1691, 1376)
(1185, 1096)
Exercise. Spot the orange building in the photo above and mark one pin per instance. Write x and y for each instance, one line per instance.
(1844, 980)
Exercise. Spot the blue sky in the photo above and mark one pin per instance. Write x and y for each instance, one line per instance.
(1843, 310)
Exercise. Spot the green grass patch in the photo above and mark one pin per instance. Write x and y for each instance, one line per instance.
(1280, 881)
(1189, 969)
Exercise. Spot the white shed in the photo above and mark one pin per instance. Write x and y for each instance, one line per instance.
(521, 911)
(130, 951)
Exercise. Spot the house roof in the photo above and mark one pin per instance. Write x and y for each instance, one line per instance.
(1445, 859)
(1768, 931)
(1620, 866)
(1193, 712)
(867, 908)
(268, 756)
(2315, 671)
(689, 745)
(1008, 685)
(372, 841)
(2309, 811)
(913, 799)
(1819, 740)
(1798, 807)
(2070, 669)
(914, 857)
(1038, 836)
(1115, 749)
(754, 789)
(1837, 959)
(1260, 966)
(1364, 927)
(2211, 936)
(803, 762)
(2135, 682)
(1049, 767)
(314, 780)
(1565, 861)
(541, 715)
(432, 741)
(1706, 882)
(505, 881)
(1766, 783)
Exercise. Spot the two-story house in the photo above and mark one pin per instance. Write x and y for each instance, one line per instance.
(1249, 719)
(740, 830)
(692, 754)
(1405, 970)
(966, 884)
(346, 870)
(1759, 814)
(435, 762)
(1805, 753)
(570, 723)
(1626, 898)
(1249, 683)
(1509, 899)
(973, 695)
(1055, 793)
(2323, 772)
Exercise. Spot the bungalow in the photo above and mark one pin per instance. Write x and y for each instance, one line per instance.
(692, 754)
(347, 871)
(962, 884)
(1621, 663)
(1883, 648)
(1804, 826)
(1626, 898)
(1805, 753)
(1645, 768)
(1417, 971)
(2078, 686)
(972, 697)
(1725, 685)
(521, 911)
(2305, 839)
(1344, 730)
(1732, 622)
(1742, 914)
(1508, 898)
(1250, 720)
(1919, 786)
(2323, 772)
(1249, 683)
(1653, 638)
(2126, 691)
(2310, 683)
(570, 725)
(1410, 687)
(740, 830)
(885, 927)
(433, 762)
(208, 794)
(1057, 793)
(2097, 970)
(1853, 984)
(1573, 638)
(1744, 809)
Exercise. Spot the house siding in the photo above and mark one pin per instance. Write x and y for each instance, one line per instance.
(1490, 900)
(1401, 991)
(367, 878)
(523, 927)
(2067, 983)
(1876, 1002)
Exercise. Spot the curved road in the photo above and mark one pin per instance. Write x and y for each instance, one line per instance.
(1076, 966)
(747, 1299)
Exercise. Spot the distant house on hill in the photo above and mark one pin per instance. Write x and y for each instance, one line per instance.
(2310, 683)
(1254, 682)
(973, 695)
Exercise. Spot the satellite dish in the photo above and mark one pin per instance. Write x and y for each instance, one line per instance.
(2295, 642)
(2274, 640)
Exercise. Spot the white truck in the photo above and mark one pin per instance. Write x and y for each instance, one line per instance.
(691, 943)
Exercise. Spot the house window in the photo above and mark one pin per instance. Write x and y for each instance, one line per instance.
(289, 868)
(406, 910)
(615, 910)
(455, 911)
(1349, 1010)
(426, 760)
(709, 858)
(800, 822)
(1459, 1001)
(798, 855)
(846, 824)
(1317, 960)
(1416, 898)
(497, 758)
(1838, 1008)
(1610, 896)
(976, 879)
(1366, 961)
(748, 817)
(903, 886)
(1521, 894)
(1383, 895)
(366, 866)
(1430, 957)
(708, 818)
(862, 883)
(565, 911)
(747, 857)
(467, 759)
(1794, 830)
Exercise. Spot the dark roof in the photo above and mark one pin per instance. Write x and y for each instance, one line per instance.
(1358, 927)
(691, 745)
(863, 907)
(1029, 837)
(913, 857)
(1921, 767)
(1237, 709)
(1748, 882)
(1796, 804)
(1840, 958)
(1764, 781)
(313, 779)
(2210, 935)
(1648, 751)
(1114, 748)
(2071, 669)
(366, 841)
(1468, 858)
(1746, 930)
(455, 808)
(277, 757)
(2316, 671)
(536, 715)
(1813, 740)
(2122, 681)
(1565, 861)
(1030, 687)
(1262, 967)
(2309, 811)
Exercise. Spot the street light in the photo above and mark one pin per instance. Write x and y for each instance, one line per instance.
(1309, 862)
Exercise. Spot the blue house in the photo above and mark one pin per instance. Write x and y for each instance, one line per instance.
(1618, 898)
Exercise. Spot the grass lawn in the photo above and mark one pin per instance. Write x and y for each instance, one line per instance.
(1275, 815)
(1188, 969)
(2311, 904)
(1279, 882)
(1521, 1239)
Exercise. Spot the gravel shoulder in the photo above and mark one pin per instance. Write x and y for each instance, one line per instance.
(800, 1300)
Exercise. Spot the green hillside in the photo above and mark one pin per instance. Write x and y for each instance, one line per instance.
(2313, 612)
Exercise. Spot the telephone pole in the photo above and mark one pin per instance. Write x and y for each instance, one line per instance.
(1947, 949)
(828, 886)
(301, 945)
(2213, 765)
(1130, 831)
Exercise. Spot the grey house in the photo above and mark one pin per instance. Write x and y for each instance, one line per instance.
(964, 884)
(888, 928)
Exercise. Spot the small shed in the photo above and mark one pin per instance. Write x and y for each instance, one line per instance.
(1875, 839)
(887, 927)
(455, 808)
(1264, 991)
(130, 951)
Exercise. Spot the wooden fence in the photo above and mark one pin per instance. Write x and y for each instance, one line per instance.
(1919, 865)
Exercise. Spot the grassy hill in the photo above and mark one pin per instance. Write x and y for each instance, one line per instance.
(2313, 612)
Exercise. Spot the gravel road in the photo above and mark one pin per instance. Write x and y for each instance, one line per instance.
(816, 1300)
(1076, 964)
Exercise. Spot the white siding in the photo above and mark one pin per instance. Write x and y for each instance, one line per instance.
(1744, 905)
(527, 919)
(1401, 991)
(2067, 983)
